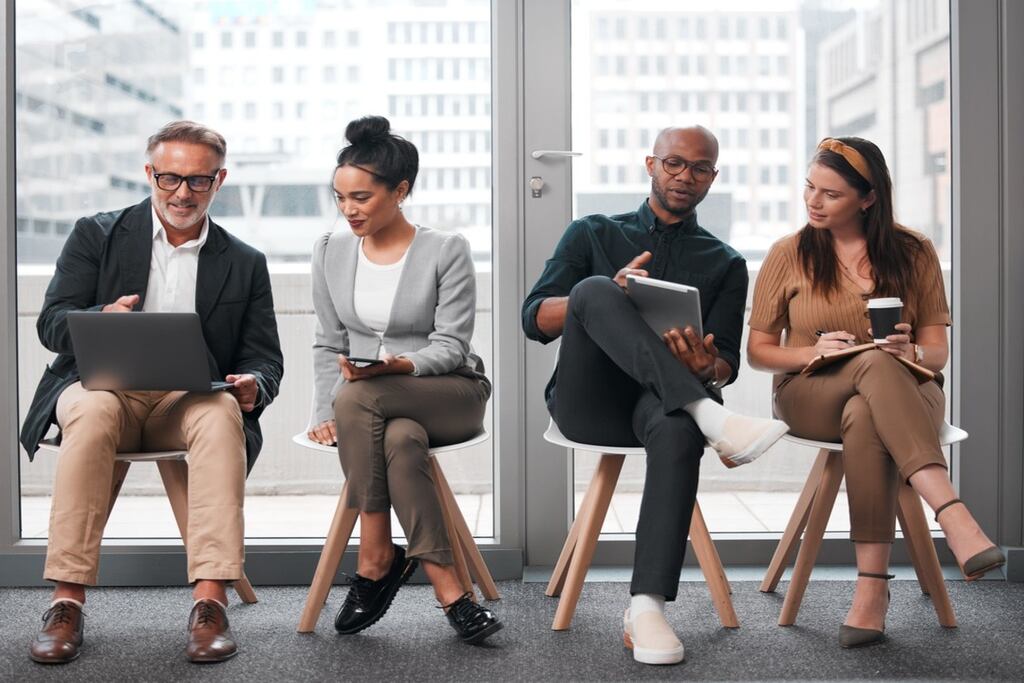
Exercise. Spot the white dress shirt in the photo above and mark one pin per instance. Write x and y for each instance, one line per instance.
(173, 271)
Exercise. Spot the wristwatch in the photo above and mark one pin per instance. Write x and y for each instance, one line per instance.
(713, 381)
(918, 354)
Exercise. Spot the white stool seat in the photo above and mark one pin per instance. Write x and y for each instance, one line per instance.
(948, 435)
(303, 440)
(554, 435)
(574, 560)
(469, 563)
(153, 456)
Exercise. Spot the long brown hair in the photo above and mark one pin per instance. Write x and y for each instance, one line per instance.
(892, 249)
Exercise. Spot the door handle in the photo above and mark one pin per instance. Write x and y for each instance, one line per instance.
(540, 153)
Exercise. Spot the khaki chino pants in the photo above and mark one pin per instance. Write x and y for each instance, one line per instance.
(95, 425)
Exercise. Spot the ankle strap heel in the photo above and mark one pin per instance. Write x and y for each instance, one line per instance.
(946, 505)
(876, 576)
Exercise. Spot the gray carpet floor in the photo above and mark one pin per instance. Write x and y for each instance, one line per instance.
(138, 634)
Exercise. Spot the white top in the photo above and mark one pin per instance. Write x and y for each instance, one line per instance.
(173, 271)
(374, 293)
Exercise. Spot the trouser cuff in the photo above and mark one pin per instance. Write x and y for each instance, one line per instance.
(654, 583)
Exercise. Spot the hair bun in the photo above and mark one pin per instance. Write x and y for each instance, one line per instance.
(367, 129)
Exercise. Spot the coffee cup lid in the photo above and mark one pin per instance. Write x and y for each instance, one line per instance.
(885, 302)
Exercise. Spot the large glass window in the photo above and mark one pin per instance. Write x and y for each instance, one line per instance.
(94, 80)
(805, 70)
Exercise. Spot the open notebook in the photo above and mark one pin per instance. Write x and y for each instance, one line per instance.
(922, 374)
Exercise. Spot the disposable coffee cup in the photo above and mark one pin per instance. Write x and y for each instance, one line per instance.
(885, 314)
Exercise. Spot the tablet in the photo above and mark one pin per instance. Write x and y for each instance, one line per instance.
(664, 305)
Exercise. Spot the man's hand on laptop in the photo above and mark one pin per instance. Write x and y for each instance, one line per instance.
(634, 267)
(699, 356)
(245, 390)
(124, 304)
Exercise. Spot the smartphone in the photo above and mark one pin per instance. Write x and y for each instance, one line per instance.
(364, 362)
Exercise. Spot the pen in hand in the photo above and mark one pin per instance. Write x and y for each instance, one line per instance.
(818, 333)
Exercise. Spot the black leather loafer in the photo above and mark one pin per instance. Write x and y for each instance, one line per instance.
(368, 600)
(472, 622)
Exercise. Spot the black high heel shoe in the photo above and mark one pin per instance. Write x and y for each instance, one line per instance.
(852, 636)
(981, 563)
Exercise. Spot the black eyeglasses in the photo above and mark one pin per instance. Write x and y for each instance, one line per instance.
(170, 182)
(700, 170)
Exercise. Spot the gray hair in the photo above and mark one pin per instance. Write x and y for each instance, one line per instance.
(188, 131)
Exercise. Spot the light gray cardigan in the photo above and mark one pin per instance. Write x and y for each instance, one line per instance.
(431, 320)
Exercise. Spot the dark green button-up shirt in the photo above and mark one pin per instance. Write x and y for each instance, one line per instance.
(684, 253)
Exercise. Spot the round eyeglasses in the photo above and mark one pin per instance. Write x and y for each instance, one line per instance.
(701, 171)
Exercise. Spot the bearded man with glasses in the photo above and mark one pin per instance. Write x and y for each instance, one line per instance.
(618, 383)
(163, 254)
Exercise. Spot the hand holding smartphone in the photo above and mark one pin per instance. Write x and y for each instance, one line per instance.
(363, 362)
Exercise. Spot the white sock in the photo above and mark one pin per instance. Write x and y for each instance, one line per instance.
(646, 602)
(709, 416)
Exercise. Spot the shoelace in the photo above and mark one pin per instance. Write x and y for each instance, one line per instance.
(360, 591)
(465, 611)
(61, 613)
(207, 615)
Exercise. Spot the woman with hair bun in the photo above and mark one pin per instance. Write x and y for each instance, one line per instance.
(394, 373)
(813, 287)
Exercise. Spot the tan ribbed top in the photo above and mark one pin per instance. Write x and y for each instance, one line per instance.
(784, 301)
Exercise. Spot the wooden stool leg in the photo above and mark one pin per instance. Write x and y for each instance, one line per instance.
(473, 561)
(603, 483)
(923, 580)
(915, 530)
(711, 565)
(821, 508)
(450, 510)
(330, 557)
(797, 522)
(120, 473)
(557, 581)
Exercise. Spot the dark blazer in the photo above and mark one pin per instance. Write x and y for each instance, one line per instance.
(108, 256)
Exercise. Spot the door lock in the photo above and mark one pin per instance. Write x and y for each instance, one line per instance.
(536, 185)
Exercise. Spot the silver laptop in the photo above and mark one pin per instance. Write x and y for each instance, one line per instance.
(141, 352)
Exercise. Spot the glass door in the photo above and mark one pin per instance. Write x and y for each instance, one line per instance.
(770, 79)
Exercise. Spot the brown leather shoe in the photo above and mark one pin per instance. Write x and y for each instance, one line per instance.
(60, 639)
(209, 638)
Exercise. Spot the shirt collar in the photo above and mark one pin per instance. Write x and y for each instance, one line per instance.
(650, 222)
(160, 233)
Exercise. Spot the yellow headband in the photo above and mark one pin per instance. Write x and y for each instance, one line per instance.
(852, 156)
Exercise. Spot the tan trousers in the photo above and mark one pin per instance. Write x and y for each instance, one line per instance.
(385, 428)
(888, 424)
(97, 424)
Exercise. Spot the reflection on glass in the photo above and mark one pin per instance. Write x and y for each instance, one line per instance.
(770, 79)
(280, 80)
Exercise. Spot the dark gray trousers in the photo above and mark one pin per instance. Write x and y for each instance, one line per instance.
(617, 384)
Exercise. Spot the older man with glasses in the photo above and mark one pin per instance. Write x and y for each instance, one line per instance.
(161, 255)
(618, 383)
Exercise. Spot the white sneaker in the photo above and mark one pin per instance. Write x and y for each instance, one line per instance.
(745, 439)
(651, 639)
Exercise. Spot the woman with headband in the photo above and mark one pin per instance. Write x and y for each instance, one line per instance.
(810, 298)
(394, 373)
